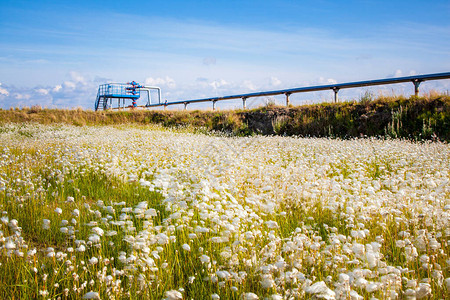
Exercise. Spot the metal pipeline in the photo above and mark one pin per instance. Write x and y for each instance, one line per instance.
(148, 88)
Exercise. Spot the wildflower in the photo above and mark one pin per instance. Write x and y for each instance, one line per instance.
(250, 296)
(400, 243)
(31, 252)
(162, 238)
(93, 260)
(80, 248)
(10, 245)
(205, 259)
(43, 293)
(371, 287)
(267, 282)
(98, 231)
(424, 291)
(5, 219)
(355, 296)
(186, 247)
(58, 210)
(13, 224)
(94, 238)
(91, 295)
(320, 290)
(173, 295)
(272, 224)
(46, 224)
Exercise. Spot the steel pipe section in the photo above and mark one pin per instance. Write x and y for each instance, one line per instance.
(416, 80)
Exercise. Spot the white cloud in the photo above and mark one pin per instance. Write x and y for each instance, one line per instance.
(69, 84)
(161, 82)
(248, 85)
(275, 81)
(3, 91)
(77, 92)
(327, 81)
(57, 88)
(398, 73)
(218, 83)
(22, 96)
(76, 77)
(42, 91)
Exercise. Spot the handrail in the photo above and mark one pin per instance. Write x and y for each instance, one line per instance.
(416, 80)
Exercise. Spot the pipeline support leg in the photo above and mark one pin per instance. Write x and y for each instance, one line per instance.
(185, 105)
(416, 83)
(243, 102)
(287, 98)
(214, 105)
(336, 90)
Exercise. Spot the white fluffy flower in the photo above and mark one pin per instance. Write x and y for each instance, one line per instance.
(320, 290)
(424, 291)
(272, 224)
(250, 296)
(98, 231)
(162, 238)
(205, 259)
(91, 295)
(45, 224)
(93, 260)
(173, 295)
(267, 281)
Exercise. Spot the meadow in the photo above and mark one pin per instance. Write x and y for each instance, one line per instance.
(143, 211)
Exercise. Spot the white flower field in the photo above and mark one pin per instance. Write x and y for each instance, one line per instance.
(131, 212)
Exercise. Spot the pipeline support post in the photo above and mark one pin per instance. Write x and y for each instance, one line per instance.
(185, 105)
(287, 98)
(416, 83)
(214, 104)
(243, 102)
(336, 90)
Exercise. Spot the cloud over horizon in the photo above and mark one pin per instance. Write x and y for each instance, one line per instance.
(79, 91)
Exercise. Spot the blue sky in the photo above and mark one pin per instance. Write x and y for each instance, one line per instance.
(56, 54)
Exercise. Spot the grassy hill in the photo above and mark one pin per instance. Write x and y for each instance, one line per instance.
(398, 117)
